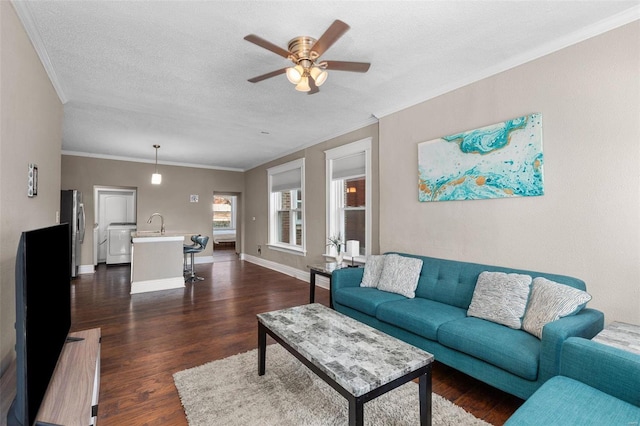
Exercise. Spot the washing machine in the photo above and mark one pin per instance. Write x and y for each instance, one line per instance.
(119, 242)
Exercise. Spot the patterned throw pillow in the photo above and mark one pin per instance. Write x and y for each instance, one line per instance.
(400, 275)
(501, 298)
(372, 271)
(551, 301)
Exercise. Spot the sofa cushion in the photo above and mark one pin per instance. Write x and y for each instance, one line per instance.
(562, 400)
(372, 271)
(500, 298)
(419, 316)
(550, 301)
(364, 299)
(512, 350)
(400, 275)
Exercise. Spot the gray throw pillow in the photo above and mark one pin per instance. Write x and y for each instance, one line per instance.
(550, 301)
(372, 271)
(501, 298)
(400, 275)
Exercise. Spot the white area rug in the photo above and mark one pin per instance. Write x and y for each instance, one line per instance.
(230, 392)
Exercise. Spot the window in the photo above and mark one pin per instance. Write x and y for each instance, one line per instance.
(349, 193)
(286, 207)
(224, 212)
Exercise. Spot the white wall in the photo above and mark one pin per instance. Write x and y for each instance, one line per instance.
(588, 222)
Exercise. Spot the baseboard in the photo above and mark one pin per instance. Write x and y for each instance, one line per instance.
(287, 270)
(154, 285)
(86, 269)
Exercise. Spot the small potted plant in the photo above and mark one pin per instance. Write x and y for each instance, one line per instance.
(336, 243)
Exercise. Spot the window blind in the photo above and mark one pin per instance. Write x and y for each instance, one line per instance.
(286, 181)
(350, 166)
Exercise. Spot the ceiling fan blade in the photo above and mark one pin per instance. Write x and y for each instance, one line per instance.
(347, 66)
(267, 75)
(268, 45)
(312, 85)
(333, 33)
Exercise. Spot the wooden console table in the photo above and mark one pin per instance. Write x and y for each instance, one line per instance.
(72, 395)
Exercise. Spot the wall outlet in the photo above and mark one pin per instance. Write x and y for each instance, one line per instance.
(259, 249)
(57, 217)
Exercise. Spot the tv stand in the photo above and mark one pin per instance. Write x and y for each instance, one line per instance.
(72, 395)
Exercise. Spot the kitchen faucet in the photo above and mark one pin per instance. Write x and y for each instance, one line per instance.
(161, 222)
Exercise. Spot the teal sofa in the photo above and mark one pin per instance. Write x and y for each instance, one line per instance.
(597, 385)
(436, 321)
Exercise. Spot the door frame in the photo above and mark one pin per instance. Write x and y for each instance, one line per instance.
(101, 189)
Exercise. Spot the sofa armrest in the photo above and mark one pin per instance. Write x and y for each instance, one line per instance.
(611, 370)
(346, 277)
(586, 323)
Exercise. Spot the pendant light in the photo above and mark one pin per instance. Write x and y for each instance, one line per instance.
(156, 178)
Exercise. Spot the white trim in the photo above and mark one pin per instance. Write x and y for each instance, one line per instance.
(142, 160)
(273, 243)
(362, 145)
(86, 269)
(278, 267)
(28, 22)
(287, 249)
(608, 24)
(287, 270)
(155, 285)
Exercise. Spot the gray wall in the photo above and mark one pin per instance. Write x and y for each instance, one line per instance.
(30, 132)
(171, 198)
(588, 222)
(257, 204)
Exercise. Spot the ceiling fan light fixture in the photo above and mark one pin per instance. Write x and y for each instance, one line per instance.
(303, 85)
(319, 75)
(294, 74)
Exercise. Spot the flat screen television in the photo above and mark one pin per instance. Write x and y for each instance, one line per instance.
(43, 315)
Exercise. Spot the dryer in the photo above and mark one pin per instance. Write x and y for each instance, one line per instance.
(119, 242)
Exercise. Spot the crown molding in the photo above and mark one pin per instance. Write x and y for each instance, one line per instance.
(615, 21)
(28, 22)
(140, 160)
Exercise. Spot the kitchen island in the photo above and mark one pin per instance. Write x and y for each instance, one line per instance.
(156, 261)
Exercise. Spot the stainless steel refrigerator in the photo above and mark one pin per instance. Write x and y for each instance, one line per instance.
(72, 212)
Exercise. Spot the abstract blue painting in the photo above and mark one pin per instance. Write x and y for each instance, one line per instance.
(497, 161)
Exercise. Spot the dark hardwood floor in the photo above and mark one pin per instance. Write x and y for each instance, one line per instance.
(148, 337)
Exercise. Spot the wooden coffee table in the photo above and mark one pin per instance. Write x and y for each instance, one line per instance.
(358, 361)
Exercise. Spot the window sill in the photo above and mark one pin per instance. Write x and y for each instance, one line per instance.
(288, 249)
(358, 259)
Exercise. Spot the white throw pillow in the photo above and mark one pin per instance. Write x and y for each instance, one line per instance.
(400, 275)
(550, 301)
(372, 271)
(501, 298)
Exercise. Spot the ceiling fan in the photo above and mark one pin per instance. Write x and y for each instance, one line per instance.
(308, 73)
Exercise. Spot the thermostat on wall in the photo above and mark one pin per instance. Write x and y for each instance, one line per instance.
(193, 198)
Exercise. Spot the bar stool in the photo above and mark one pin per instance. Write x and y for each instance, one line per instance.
(200, 243)
(185, 253)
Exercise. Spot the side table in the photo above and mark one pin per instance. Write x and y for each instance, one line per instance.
(324, 269)
(620, 335)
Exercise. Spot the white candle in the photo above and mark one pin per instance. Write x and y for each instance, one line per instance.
(353, 248)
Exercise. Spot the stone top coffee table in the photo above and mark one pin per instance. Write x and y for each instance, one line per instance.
(358, 361)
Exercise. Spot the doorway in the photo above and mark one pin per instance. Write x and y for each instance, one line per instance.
(225, 226)
(111, 204)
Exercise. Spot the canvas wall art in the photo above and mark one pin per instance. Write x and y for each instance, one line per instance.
(497, 161)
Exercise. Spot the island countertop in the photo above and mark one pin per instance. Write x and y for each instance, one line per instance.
(156, 261)
(157, 237)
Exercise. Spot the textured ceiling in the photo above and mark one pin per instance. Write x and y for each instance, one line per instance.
(136, 73)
